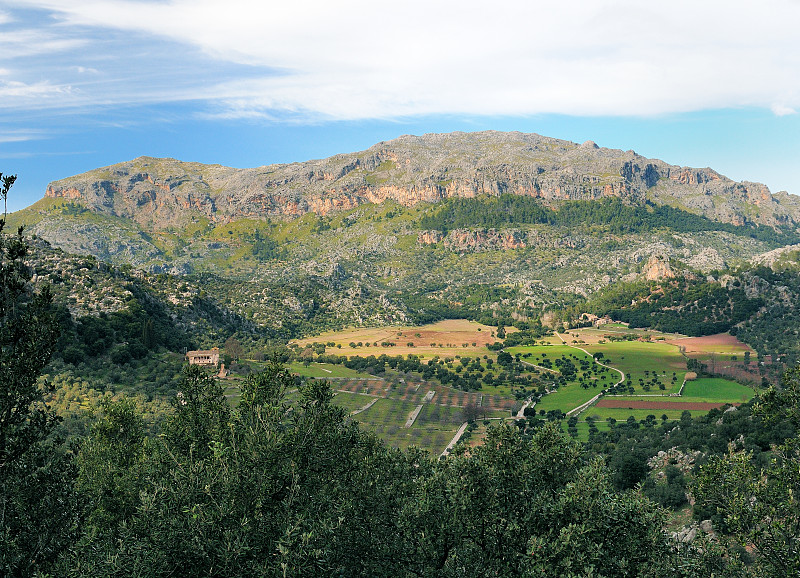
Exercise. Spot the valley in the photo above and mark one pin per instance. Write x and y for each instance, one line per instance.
(434, 309)
(587, 377)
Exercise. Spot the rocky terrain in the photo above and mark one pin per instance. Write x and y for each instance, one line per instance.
(364, 238)
(162, 193)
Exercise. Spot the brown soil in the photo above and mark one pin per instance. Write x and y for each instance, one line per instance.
(641, 404)
(719, 343)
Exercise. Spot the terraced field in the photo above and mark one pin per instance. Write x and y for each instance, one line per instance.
(386, 407)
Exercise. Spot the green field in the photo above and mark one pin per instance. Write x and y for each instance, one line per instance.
(645, 361)
(716, 389)
(351, 401)
(648, 365)
(566, 398)
(434, 428)
(707, 390)
(573, 394)
(323, 370)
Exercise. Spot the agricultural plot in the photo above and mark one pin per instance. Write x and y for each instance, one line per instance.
(699, 396)
(448, 337)
(324, 370)
(386, 408)
(432, 430)
(647, 366)
(578, 379)
(351, 401)
(722, 354)
(717, 389)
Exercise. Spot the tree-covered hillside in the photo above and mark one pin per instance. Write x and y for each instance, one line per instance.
(610, 215)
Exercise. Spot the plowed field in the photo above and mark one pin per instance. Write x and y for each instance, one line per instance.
(642, 404)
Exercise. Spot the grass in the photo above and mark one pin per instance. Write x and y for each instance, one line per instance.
(573, 394)
(716, 389)
(701, 390)
(351, 401)
(325, 370)
(634, 358)
(622, 414)
(566, 398)
(432, 431)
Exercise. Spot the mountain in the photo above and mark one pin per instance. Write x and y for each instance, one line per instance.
(498, 227)
(159, 193)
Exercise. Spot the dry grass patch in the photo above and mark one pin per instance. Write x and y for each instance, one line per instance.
(448, 337)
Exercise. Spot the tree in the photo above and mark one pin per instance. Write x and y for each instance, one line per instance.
(201, 414)
(760, 506)
(110, 466)
(233, 348)
(8, 182)
(37, 507)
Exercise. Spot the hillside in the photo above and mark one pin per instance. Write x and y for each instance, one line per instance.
(429, 216)
(495, 227)
(161, 193)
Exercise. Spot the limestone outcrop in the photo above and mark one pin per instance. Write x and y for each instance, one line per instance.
(161, 193)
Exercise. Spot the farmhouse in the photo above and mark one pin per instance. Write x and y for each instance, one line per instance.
(204, 356)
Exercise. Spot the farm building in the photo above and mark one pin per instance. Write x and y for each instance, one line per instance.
(204, 356)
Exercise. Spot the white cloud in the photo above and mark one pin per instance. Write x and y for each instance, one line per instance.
(356, 59)
(21, 135)
(782, 110)
(18, 90)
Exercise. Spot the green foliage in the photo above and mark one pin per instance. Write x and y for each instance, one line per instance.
(300, 491)
(774, 331)
(37, 510)
(688, 306)
(669, 492)
(110, 467)
(201, 414)
(610, 215)
(264, 248)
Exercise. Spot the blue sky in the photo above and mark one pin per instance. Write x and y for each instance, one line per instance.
(87, 83)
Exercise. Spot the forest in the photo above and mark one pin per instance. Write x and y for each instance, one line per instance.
(609, 215)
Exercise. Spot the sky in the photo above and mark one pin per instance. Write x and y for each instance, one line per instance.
(89, 83)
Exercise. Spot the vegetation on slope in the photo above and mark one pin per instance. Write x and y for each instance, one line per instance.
(610, 215)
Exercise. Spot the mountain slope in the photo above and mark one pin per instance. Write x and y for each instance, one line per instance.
(531, 224)
(161, 193)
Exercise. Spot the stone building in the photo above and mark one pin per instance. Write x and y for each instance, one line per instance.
(204, 356)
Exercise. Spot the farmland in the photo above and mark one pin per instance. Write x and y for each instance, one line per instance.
(445, 337)
(616, 371)
(722, 354)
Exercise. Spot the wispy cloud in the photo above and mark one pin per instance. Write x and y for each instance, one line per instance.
(782, 110)
(21, 135)
(14, 93)
(355, 59)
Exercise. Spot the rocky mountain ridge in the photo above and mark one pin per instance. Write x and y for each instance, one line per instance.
(162, 193)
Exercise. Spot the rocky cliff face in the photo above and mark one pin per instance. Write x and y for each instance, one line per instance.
(160, 193)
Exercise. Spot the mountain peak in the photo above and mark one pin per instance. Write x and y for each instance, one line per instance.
(412, 169)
